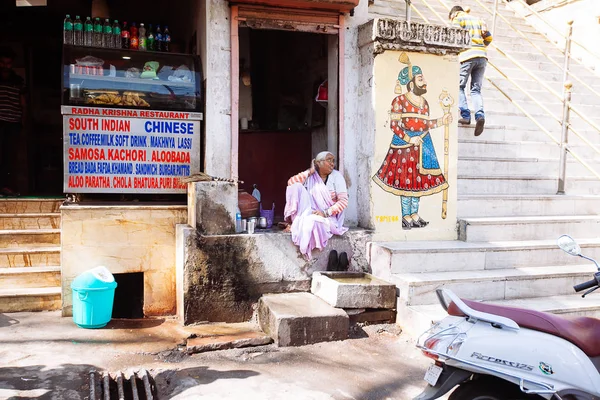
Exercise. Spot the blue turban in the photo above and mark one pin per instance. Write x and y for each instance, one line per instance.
(403, 75)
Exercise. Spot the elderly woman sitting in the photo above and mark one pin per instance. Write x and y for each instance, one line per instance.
(315, 204)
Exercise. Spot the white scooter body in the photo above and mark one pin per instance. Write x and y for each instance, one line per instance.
(479, 344)
(522, 355)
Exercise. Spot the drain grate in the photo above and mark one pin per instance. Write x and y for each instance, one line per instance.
(122, 386)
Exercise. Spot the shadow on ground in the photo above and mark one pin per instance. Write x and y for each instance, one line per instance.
(67, 381)
(6, 320)
(173, 382)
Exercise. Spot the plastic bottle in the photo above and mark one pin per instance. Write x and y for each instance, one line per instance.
(125, 38)
(68, 30)
(107, 34)
(150, 42)
(133, 33)
(97, 33)
(158, 39)
(167, 39)
(238, 220)
(142, 38)
(78, 31)
(88, 32)
(116, 35)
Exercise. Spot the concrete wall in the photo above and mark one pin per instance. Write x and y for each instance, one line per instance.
(586, 26)
(123, 239)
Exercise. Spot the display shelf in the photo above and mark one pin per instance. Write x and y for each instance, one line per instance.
(132, 81)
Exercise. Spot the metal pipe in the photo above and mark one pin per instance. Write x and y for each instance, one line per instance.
(564, 140)
(494, 15)
(567, 59)
(408, 4)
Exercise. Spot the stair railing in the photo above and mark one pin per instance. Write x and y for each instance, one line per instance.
(565, 99)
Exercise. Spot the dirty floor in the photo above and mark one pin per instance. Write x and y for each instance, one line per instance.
(45, 356)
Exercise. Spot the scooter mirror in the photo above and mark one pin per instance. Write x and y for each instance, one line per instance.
(569, 245)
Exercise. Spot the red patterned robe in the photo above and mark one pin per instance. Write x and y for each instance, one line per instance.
(411, 170)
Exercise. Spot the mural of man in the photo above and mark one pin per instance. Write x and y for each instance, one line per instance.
(411, 168)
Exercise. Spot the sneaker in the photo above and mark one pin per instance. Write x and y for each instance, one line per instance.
(479, 126)
(464, 121)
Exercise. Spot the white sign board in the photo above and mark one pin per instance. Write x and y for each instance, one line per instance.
(129, 151)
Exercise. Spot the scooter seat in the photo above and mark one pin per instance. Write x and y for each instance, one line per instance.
(583, 332)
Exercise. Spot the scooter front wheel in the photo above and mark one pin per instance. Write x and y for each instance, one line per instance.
(489, 389)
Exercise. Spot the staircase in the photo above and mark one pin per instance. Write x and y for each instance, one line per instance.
(509, 213)
(30, 255)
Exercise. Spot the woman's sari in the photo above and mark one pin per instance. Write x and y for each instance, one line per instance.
(310, 231)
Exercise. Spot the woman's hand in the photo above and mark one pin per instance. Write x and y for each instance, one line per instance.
(319, 213)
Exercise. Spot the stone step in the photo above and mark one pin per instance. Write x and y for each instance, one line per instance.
(29, 238)
(30, 299)
(523, 166)
(535, 66)
(417, 319)
(493, 205)
(30, 277)
(524, 185)
(29, 206)
(296, 319)
(478, 147)
(388, 258)
(501, 284)
(30, 221)
(527, 228)
(27, 257)
(497, 133)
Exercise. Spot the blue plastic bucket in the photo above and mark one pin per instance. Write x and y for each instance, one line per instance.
(93, 297)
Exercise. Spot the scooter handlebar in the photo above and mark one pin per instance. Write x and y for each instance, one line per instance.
(585, 285)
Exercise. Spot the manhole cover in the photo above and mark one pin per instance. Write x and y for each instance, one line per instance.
(122, 386)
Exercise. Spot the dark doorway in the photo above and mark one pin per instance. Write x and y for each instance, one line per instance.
(129, 296)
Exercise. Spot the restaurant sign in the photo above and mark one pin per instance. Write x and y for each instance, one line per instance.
(129, 151)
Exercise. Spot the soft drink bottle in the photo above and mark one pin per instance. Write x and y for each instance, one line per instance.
(78, 31)
(167, 39)
(107, 34)
(97, 33)
(68, 30)
(133, 32)
(142, 38)
(125, 38)
(150, 43)
(116, 35)
(158, 39)
(88, 32)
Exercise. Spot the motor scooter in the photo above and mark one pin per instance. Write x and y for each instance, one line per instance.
(490, 352)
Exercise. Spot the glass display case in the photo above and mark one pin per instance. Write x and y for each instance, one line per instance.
(131, 79)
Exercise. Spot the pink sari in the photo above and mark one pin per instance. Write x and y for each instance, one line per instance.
(311, 231)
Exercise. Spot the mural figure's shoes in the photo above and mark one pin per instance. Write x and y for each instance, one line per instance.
(406, 225)
(420, 223)
(343, 262)
(464, 121)
(479, 126)
(333, 262)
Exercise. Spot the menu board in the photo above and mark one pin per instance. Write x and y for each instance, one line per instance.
(129, 151)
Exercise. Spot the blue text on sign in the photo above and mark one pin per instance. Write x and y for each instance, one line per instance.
(169, 127)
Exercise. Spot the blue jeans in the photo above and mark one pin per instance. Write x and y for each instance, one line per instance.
(474, 68)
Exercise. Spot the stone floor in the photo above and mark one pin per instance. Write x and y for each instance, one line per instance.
(45, 356)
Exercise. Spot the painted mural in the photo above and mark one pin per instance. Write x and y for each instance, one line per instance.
(413, 144)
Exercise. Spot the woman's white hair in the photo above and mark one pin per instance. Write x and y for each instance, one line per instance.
(323, 155)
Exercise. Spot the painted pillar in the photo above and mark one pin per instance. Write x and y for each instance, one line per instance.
(409, 96)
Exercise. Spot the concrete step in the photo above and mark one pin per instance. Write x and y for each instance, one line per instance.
(29, 256)
(30, 221)
(30, 299)
(501, 132)
(501, 284)
(30, 277)
(524, 185)
(523, 166)
(417, 319)
(526, 205)
(296, 319)
(478, 147)
(527, 228)
(388, 258)
(29, 206)
(29, 238)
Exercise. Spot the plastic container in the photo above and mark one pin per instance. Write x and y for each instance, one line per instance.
(93, 296)
(268, 214)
